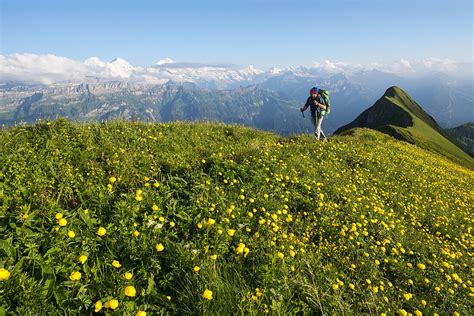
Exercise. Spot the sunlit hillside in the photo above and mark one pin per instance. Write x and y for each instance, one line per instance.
(182, 218)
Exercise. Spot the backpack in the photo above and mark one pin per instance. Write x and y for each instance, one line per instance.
(325, 95)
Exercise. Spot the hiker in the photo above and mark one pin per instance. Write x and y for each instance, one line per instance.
(318, 105)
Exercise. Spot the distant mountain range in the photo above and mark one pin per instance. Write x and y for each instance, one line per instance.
(398, 115)
(464, 135)
(184, 91)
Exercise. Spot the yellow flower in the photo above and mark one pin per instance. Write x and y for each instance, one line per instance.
(240, 248)
(112, 304)
(211, 221)
(155, 207)
(172, 224)
(58, 216)
(196, 269)
(213, 257)
(101, 231)
(136, 233)
(408, 296)
(423, 302)
(159, 247)
(335, 287)
(141, 313)
(4, 274)
(207, 294)
(98, 306)
(351, 286)
(128, 275)
(421, 266)
(130, 291)
(418, 313)
(231, 232)
(116, 264)
(82, 259)
(402, 312)
(62, 222)
(280, 255)
(112, 179)
(75, 275)
(71, 234)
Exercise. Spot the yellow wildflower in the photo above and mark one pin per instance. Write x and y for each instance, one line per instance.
(97, 306)
(128, 275)
(4, 274)
(130, 291)
(82, 259)
(207, 294)
(421, 266)
(101, 231)
(75, 275)
(62, 222)
(159, 247)
(112, 304)
(211, 221)
(116, 264)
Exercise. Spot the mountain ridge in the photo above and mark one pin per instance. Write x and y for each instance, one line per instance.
(398, 115)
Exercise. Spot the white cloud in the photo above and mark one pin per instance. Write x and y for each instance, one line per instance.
(402, 67)
(164, 61)
(49, 69)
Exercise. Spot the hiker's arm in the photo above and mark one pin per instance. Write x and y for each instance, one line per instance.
(321, 106)
(305, 107)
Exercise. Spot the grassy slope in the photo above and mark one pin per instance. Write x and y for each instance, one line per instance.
(422, 131)
(361, 211)
(426, 133)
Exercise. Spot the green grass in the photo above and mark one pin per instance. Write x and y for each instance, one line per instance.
(426, 133)
(398, 115)
(362, 224)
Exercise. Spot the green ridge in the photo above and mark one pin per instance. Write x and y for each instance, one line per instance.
(398, 115)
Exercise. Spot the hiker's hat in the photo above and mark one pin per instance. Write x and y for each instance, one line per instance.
(314, 90)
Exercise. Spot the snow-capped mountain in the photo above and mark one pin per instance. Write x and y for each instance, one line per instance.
(96, 84)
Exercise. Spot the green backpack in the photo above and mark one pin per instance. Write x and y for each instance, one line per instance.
(325, 95)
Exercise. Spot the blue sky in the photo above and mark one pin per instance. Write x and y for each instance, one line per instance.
(262, 33)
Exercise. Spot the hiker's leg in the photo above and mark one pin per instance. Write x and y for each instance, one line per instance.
(313, 120)
(318, 127)
(322, 133)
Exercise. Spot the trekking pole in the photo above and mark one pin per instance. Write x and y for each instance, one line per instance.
(302, 113)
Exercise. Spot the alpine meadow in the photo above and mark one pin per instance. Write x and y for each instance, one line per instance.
(206, 218)
(237, 157)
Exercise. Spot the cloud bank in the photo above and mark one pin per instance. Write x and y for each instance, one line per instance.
(52, 69)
